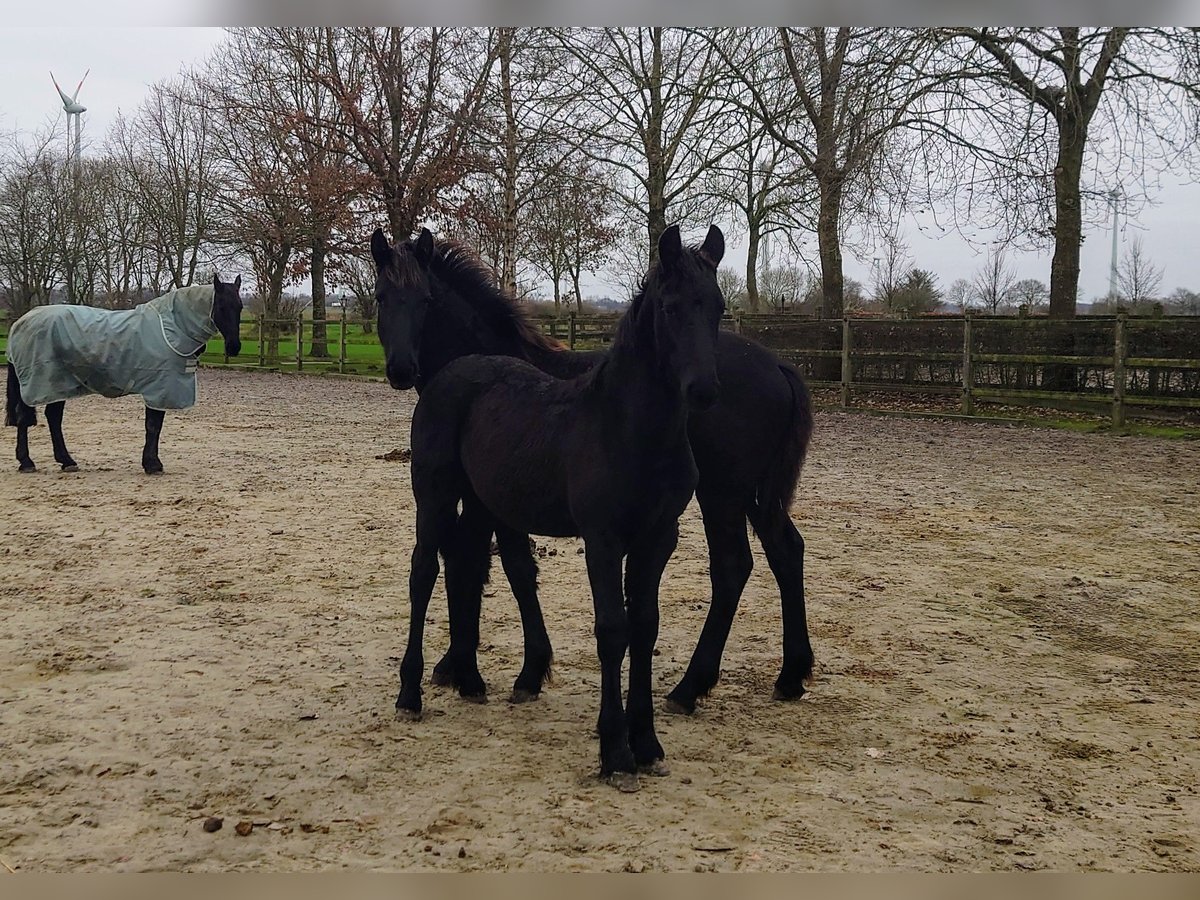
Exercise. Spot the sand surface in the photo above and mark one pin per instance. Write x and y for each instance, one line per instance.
(1006, 621)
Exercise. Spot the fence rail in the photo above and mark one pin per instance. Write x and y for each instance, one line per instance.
(1110, 362)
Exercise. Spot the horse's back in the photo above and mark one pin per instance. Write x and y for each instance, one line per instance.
(505, 424)
(64, 351)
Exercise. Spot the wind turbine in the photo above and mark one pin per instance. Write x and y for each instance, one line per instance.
(72, 107)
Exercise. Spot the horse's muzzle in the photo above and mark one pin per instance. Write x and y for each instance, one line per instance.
(402, 378)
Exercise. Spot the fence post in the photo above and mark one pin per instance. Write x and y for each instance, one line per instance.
(262, 343)
(1119, 348)
(571, 329)
(342, 343)
(737, 322)
(845, 362)
(968, 376)
(299, 342)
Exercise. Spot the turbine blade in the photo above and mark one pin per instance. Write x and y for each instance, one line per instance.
(65, 98)
(81, 81)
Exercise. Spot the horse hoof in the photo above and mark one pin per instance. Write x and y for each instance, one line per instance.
(478, 699)
(787, 695)
(27, 469)
(154, 471)
(441, 679)
(625, 782)
(675, 708)
(520, 695)
(70, 467)
(658, 768)
(408, 715)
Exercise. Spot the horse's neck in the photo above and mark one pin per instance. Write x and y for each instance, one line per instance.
(652, 410)
(449, 334)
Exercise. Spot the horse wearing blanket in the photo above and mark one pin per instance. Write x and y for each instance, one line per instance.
(58, 352)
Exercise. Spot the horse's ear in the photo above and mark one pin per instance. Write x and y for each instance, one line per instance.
(237, 283)
(381, 250)
(216, 279)
(714, 245)
(425, 246)
(670, 247)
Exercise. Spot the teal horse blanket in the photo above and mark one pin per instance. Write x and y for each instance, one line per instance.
(60, 351)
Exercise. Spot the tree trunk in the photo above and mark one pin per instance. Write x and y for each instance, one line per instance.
(320, 347)
(1068, 235)
(578, 293)
(829, 246)
(656, 165)
(1068, 219)
(557, 296)
(752, 269)
(508, 224)
(830, 250)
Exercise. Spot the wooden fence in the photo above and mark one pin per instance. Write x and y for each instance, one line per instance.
(1099, 363)
(1111, 362)
(1090, 362)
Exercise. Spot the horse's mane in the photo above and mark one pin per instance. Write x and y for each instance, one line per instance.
(462, 269)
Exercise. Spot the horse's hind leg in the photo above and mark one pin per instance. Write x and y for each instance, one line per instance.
(23, 458)
(521, 570)
(784, 548)
(729, 566)
(54, 417)
(151, 464)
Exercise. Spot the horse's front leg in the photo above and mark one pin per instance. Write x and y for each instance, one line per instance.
(435, 528)
(150, 461)
(54, 417)
(643, 573)
(612, 639)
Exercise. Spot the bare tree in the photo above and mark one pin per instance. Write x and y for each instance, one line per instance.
(1138, 279)
(266, 75)
(1184, 302)
(1058, 100)
(570, 227)
(994, 281)
(644, 102)
(889, 271)
(733, 289)
(167, 153)
(1031, 293)
(28, 222)
(358, 274)
(837, 99)
(759, 178)
(782, 285)
(960, 294)
(407, 104)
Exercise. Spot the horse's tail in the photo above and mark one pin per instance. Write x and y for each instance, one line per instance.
(778, 486)
(17, 411)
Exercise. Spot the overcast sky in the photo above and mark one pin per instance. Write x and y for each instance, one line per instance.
(125, 61)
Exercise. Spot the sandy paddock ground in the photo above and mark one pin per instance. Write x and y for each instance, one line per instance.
(1007, 625)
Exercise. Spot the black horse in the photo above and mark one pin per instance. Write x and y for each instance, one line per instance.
(604, 456)
(749, 448)
(60, 351)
